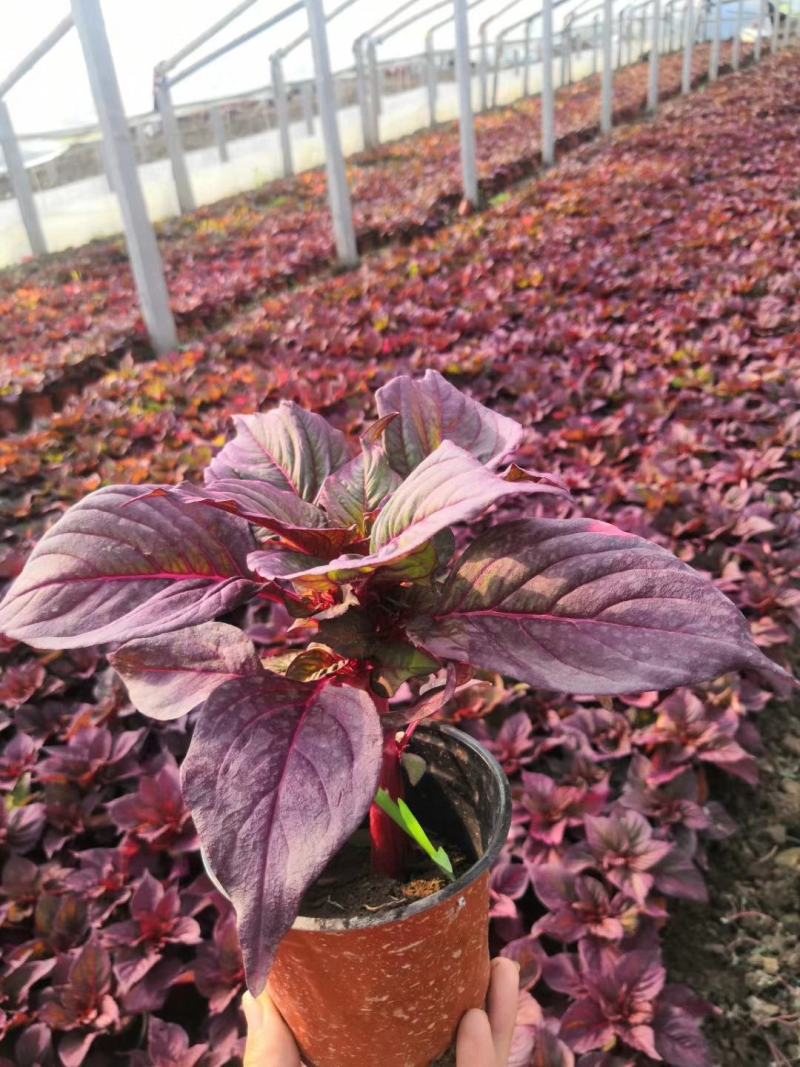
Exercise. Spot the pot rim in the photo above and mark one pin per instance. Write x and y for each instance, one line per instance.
(498, 837)
(417, 907)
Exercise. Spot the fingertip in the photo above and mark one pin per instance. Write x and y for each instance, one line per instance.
(474, 1045)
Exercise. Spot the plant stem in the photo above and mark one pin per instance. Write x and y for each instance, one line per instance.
(389, 843)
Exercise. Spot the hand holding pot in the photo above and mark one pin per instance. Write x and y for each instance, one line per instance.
(484, 1037)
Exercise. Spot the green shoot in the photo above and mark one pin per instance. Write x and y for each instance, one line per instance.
(400, 813)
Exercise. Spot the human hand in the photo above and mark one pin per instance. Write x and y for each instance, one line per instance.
(484, 1037)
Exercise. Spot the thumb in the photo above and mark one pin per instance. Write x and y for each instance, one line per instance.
(269, 1040)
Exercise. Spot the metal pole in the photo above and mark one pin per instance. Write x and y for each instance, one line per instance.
(713, 63)
(762, 14)
(526, 70)
(548, 95)
(282, 114)
(652, 89)
(374, 93)
(21, 183)
(466, 120)
(148, 270)
(484, 68)
(736, 47)
(218, 129)
(496, 72)
(172, 137)
(362, 92)
(431, 80)
(338, 191)
(307, 94)
(566, 55)
(33, 57)
(775, 27)
(688, 47)
(606, 105)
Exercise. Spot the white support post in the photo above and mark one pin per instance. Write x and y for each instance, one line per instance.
(218, 129)
(338, 191)
(282, 114)
(526, 70)
(148, 270)
(606, 103)
(762, 14)
(620, 38)
(566, 55)
(713, 62)
(374, 94)
(736, 45)
(466, 119)
(775, 26)
(362, 92)
(172, 137)
(483, 65)
(688, 47)
(307, 97)
(21, 183)
(787, 26)
(655, 52)
(548, 95)
(106, 162)
(431, 81)
(498, 49)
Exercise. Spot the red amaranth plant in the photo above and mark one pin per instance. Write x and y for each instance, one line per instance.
(286, 756)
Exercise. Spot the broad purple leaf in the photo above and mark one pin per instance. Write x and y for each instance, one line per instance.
(117, 566)
(447, 488)
(584, 1027)
(278, 775)
(579, 606)
(172, 673)
(352, 493)
(300, 525)
(288, 447)
(432, 411)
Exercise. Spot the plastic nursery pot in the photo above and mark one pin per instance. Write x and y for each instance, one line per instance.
(389, 989)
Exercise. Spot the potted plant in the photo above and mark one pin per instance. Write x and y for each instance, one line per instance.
(293, 757)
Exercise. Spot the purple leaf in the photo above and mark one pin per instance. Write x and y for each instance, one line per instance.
(584, 1027)
(168, 1045)
(169, 674)
(116, 566)
(300, 525)
(288, 447)
(448, 487)
(432, 411)
(352, 493)
(579, 606)
(278, 775)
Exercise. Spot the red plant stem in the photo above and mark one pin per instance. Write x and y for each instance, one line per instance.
(389, 843)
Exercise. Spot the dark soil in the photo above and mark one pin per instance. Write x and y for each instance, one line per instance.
(348, 888)
(742, 950)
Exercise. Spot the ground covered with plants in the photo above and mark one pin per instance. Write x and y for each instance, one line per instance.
(635, 308)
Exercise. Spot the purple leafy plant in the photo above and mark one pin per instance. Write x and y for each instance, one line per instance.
(358, 546)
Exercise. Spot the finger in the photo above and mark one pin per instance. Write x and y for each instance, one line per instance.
(501, 1005)
(269, 1039)
(474, 1045)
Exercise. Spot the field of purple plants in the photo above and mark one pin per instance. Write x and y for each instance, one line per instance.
(635, 308)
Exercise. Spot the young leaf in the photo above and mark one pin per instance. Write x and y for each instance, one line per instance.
(123, 563)
(579, 606)
(350, 494)
(168, 675)
(288, 447)
(432, 411)
(448, 487)
(278, 775)
(400, 813)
